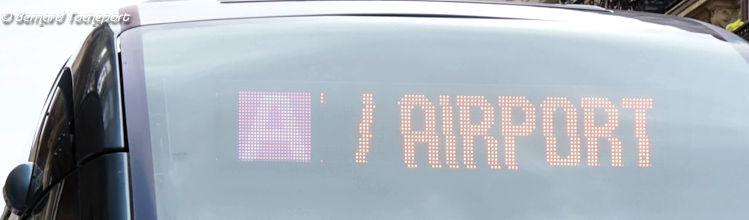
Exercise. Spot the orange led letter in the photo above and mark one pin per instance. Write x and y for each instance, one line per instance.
(640, 105)
(549, 106)
(593, 132)
(365, 127)
(428, 135)
(510, 131)
(451, 152)
(468, 130)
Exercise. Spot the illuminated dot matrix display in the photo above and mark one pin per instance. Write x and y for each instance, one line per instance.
(593, 132)
(469, 130)
(640, 105)
(510, 130)
(549, 106)
(275, 126)
(365, 128)
(428, 135)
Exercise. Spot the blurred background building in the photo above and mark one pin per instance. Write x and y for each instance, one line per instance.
(728, 14)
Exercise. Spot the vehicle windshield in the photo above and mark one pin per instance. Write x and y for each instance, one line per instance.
(383, 117)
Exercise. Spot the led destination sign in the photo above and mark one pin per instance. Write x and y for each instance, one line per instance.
(276, 126)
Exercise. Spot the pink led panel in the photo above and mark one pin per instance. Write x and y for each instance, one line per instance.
(275, 126)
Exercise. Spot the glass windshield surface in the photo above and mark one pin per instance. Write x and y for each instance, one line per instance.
(442, 118)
